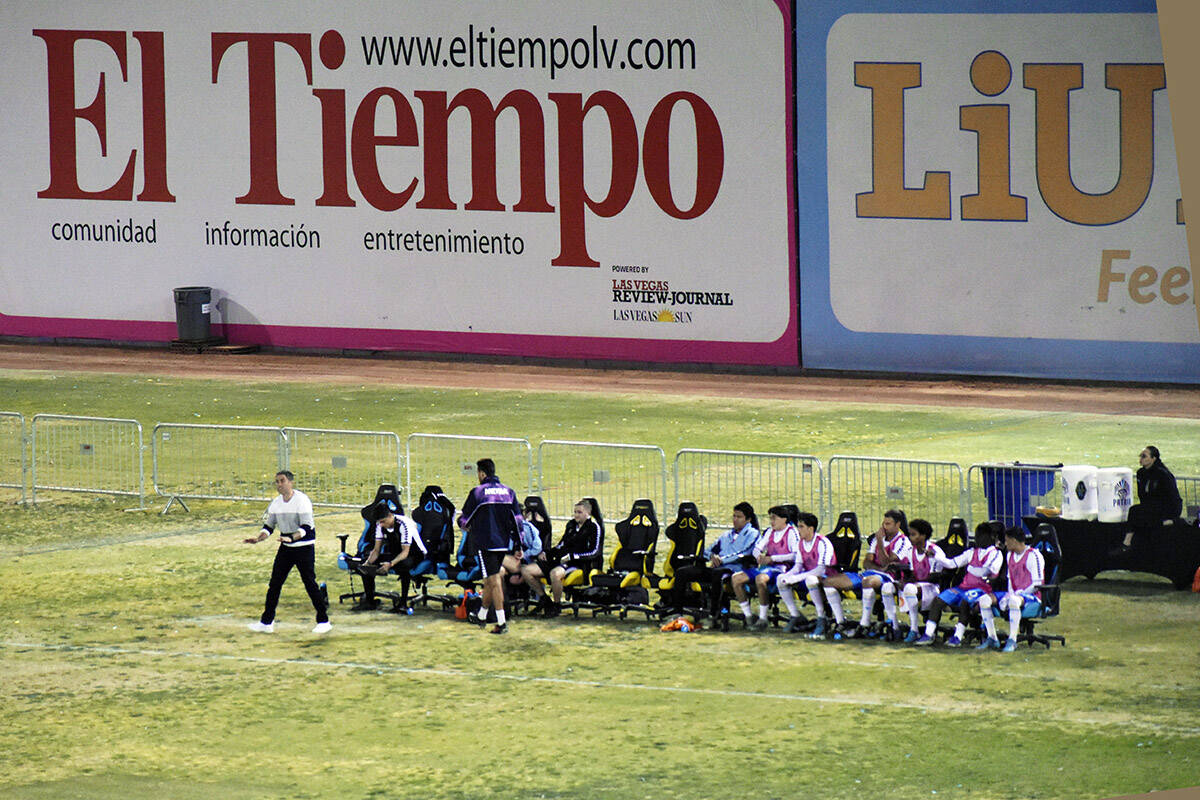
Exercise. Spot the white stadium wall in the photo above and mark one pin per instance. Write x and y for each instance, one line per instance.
(570, 179)
(991, 192)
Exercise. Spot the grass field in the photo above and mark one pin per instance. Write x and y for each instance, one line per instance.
(128, 672)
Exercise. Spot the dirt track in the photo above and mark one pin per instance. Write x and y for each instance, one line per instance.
(991, 393)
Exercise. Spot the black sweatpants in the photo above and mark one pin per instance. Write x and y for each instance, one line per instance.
(304, 559)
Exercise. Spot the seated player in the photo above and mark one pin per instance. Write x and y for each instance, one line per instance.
(728, 554)
(982, 562)
(887, 546)
(524, 553)
(393, 537)
(579, 549)
(924, 563)
(775, 552)
(1026, 572)
(814, 562)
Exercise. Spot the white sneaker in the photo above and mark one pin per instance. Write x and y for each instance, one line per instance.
(323, 627)
(258, 627)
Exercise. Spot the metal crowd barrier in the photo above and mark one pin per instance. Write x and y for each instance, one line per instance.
(716, 480)
(14, 469)
(614, 474)
(342, 468)
(93, 455)
(933, 490)
(448, 461)
(216, 462)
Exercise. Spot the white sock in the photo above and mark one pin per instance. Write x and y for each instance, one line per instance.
(482, 612)
(914, 605)
(959, 631)
(789, 599)
(500, 616)
(745, 606)
(763, 610)
(989, 621)
(889, 604)
(814, 594)
(868, 602)
(930, 628)
(1014, 621)
(835, 602)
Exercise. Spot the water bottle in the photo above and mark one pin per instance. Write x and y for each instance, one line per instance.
(684, 627)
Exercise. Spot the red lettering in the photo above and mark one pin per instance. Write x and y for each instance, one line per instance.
(573, 199)
(154, 118)
(364, 141)
(260, 61)
(60, 72)
(710, 155)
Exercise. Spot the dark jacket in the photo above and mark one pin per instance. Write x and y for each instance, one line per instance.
(492, 515)
(581, 545)
(1158, 493)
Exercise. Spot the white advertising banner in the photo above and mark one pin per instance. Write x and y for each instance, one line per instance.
(1005, 175)
(579, 179)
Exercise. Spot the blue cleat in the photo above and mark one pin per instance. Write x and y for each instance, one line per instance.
(911, 637)
(1009, 647)
(925, 641)
(819, 631)
(954, 641)
(989, 644)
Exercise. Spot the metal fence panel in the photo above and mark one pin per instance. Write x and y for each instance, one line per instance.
(1189, 490)
(449, 461)
(717, 480)
(217, 462)
(93, 455)
(343, 468)
(870, 486)
(614, 474)
(1007, 492)
(13, 466)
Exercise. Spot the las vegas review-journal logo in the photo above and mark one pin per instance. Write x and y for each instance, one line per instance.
(634, 291)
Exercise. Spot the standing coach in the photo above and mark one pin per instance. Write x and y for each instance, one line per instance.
(292, 512)
(492, 517)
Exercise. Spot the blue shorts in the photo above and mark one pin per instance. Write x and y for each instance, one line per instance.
(772, 572)
(856, 578)
(1030, 610)
(957, 596)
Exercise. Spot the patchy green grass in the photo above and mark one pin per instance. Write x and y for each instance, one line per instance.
(128, 671)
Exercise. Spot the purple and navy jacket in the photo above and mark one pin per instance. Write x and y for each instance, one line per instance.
(492, 515)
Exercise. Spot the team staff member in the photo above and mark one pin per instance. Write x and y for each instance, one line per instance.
(1158, 499)
(491, 515)
(292, 513)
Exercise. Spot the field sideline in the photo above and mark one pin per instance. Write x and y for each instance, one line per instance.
(128, 671)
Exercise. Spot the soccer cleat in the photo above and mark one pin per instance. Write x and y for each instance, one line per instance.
(261, 627)
(498, 629)
(851, 631)
(954, 641)
(989, 644)
(892, 635)
(759, 624)
(925, 641)
(322, 627)
(475, 620)
(819, 631)
(911, 636)
(795, 624)
(1009, 647)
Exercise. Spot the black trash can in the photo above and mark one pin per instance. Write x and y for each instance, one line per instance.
(193, 313)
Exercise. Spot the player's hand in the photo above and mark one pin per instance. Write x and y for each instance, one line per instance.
(715, 562)
(250, 540)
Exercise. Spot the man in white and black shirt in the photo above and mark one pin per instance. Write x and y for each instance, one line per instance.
(292, 513)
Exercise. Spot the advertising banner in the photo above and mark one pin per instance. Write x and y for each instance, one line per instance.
(575, 179)
(999, 192)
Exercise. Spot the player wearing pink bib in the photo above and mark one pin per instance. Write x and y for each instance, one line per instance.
(924, 563)
(775, 553)
(983, 562)
(1026, 572)
(815, 561)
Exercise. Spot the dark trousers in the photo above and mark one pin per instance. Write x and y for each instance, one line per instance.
(304, 559)
(707, 578)
(402, 570)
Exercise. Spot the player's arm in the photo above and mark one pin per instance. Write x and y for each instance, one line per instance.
(267, 529)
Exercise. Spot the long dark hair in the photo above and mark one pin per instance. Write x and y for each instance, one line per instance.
(748, 512)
